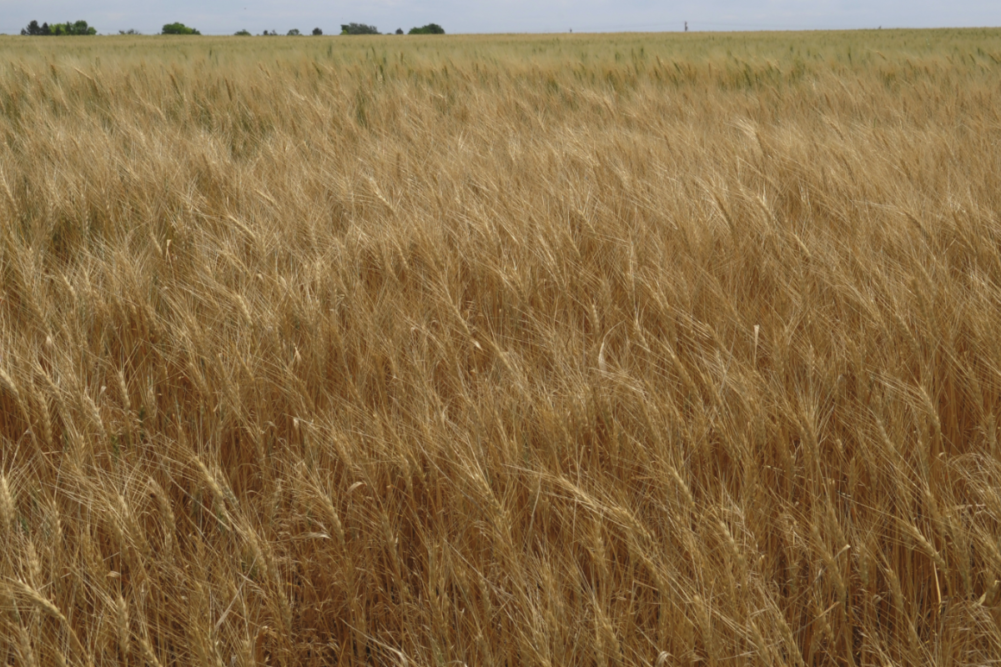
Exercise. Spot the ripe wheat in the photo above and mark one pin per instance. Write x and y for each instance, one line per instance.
(501, 351)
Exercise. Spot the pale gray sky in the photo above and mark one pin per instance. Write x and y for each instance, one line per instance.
(458, 16)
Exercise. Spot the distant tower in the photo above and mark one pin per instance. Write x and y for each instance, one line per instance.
(686, 26)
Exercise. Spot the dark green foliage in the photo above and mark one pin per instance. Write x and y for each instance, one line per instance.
(399, 31)
(317, 32)
(294, 32)
(358, 29)
(178, 29)
(242, 33)
(429, 29)
(75, 28)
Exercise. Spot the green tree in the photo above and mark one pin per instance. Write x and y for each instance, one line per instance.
(242, 33)
(358, 29)
(178, 29)
(294, 32)
(429, 29)
(317, 32)
(75, 28)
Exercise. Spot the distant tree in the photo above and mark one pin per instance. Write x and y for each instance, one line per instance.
(317, 32)
(399, 31)
(130, 31)
(273, 33)
(178, 29)
(429, 29)
(242, 33)
(75, 28)
(358, 29)
(294, 32)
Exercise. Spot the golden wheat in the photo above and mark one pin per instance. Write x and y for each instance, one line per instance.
(501, 350)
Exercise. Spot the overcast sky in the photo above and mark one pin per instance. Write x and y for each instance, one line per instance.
(474, 16)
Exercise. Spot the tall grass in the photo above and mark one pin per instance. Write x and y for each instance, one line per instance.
(501, 351)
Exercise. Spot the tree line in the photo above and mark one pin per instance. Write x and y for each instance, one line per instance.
(68, 28)
(81, 28)
(359, 29)
(362, 29)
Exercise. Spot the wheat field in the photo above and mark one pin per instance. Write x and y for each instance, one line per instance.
(507, 350)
